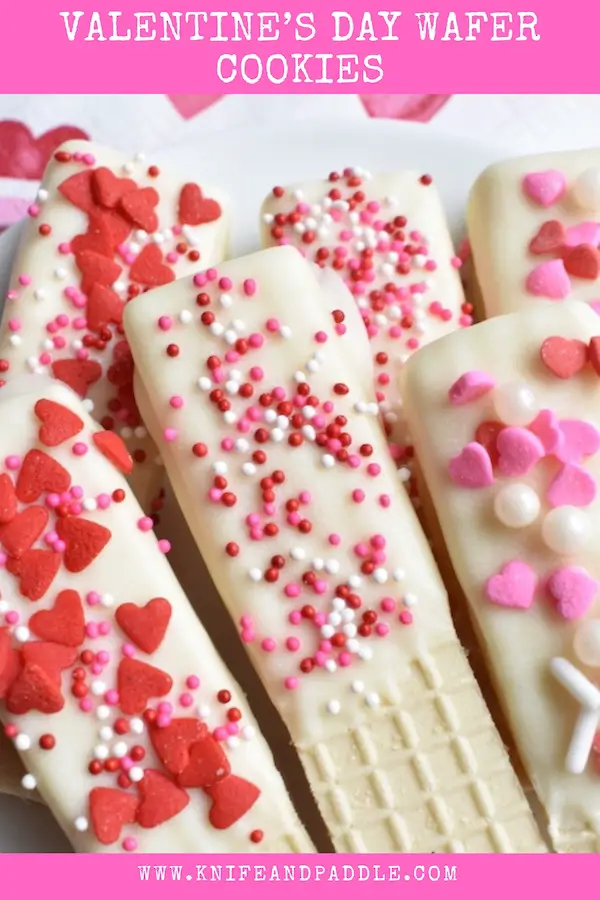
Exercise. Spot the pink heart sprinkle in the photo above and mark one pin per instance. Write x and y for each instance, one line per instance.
(573, 486)
(580, 439)
(573, 590)
(549, 279)
(545, 188)
(519, 450)
(586, 233)
(472, 468)
(469, 387)
(514, 586)
(545, 427)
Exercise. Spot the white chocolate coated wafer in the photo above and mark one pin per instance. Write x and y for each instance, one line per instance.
(127, 721)
(284, 476)
(103, 228)
(387, 237)
(534, 228)
(506, 422)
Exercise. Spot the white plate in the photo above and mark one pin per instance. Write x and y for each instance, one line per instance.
(247, 165)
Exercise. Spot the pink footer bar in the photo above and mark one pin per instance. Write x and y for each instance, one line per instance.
(424, 877)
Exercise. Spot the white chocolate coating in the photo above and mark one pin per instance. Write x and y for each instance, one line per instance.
(131, 569)
(50, 272)
(519, 643)
(341, 713)
(404, 321)
(503, 219)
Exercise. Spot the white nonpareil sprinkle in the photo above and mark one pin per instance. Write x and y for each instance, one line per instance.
(98, 688)
(119, 749)
(137, 725)
(89, 504)
(312, 366)
(328, 461)
(136, 773)
(248, 732)
(140, 432)
(372, 699)
(332, 567)
(404, 474)
(204, 383)
(398, 574)
(106, 733)
(107, 600)
(331, 665)
(28, 782)
(60, 273)
(277, 435)
(309, 432)
(22, 742)
(88, 405)
(318, 564)
(299, 377)
(103, 712)
(101, 751)
(255, 575)
(270, 416)
(334, 619)
(410, 599)
(348, 615)
(220, 468)
(225, 300)
(357, 686)
(233, 742)
(334, 707)
(249, 468)
(21, 634)
(42, 195)
(365, 653)
(380, 576)
(349, 630)
(338, 604)
(185, 317)
(81, 823)
(229, 417)
(204, 711)
(285, 332)
(308, 411)
(298, 553)
(354, 581)
(40, 294)
(327, 631)
(126, 432)
(217, 329)
(352, 645)
(14, 340)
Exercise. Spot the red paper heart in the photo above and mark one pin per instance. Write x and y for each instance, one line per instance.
(58, 423)
(120, 372)
(34, 688)
(564, 358)
(594, 353)
(550, 238)
(110, 810)
(96, 269)
(77, 189)
(93, 242)
(78, 374)
(103, 307)
(10, 663)
(232, 798)
(108, 189)
(172, 744)
(137, 682)
(36, 570)
(148, 268)
(583, 261)
(8, 499)
(113, 448)
(138, 206)
(145, 625)
(24, 156)
(109, 225)
(41, 474)
(64, 623)
(84, 541)
(194, 208)
(161, 799)
(208, 764)
(49, 656)
(21, 534)
(487, 435)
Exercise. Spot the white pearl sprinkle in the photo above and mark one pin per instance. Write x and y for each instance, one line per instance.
(136, 773)
(220, 468)
(355, 581)
(40, 294)
(28, 782)
(101, 751)
(14, 340)
(338, 604)
(229, 417)
(277, 435)
(255, 575)
(60, 273)
(249, 468)
(140, 432)
(327, 631)
(328, 461)
(106, 733)
(204, 383)
(217, 329)
(81, 823)
(232, 387)
(309, 432)
(299, 377)
(89, 504)
(233, 742)
(21, 634)
(332, 566)
(107, 600)
(270, 416)
(410, 599)
(185, 317)
(318, 564)
(98, 688)
(137, 725)
(357, 686)
(331, 665)
(285, 332)
(372, 700)
(348, 615)
(230, 336)
(248, 732)
(334, 619)
(365, 653)
(298, 553)
(88, 405)
(126, 433)
(225, 300)
(103, 712)
(380, 576)
(312, 366)
(119, 749)
(204, 711)
(333, 707)
(22, 742)
(349, 630)
(42, 195)
(352, 645)
(398, 574)
(241, 445)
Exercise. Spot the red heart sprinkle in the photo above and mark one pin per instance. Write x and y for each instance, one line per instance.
(8, 499)
(94, 242)
(84, 541)
(103, 307)
(41, 474)
(145, 625)
(78, 374)
(137, 682)
(24, 530)
(64, 623)
(139, 205)
(594, 351)
(110, 226)
(550, 238)
(49, 656)
(148, 268)
(58, 423)
(96, 269)
(172, 744)
(110, 809)
(36, 570)
(35, 689)
(564, 358)
(10, 663)
(108, 189)
(78, 190)
(208, 764)
(113, 448)
(161, 799)
(194, 208)
(232, 798)
(583, 261)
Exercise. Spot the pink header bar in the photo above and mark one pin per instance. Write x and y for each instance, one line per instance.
(255, 876)
(79, 46)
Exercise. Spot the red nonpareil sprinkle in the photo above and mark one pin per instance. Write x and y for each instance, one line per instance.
(172, 350)
(47, 742)
(224, 696)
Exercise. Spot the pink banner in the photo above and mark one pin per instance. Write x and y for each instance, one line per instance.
(467, 877)
(341, 48)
